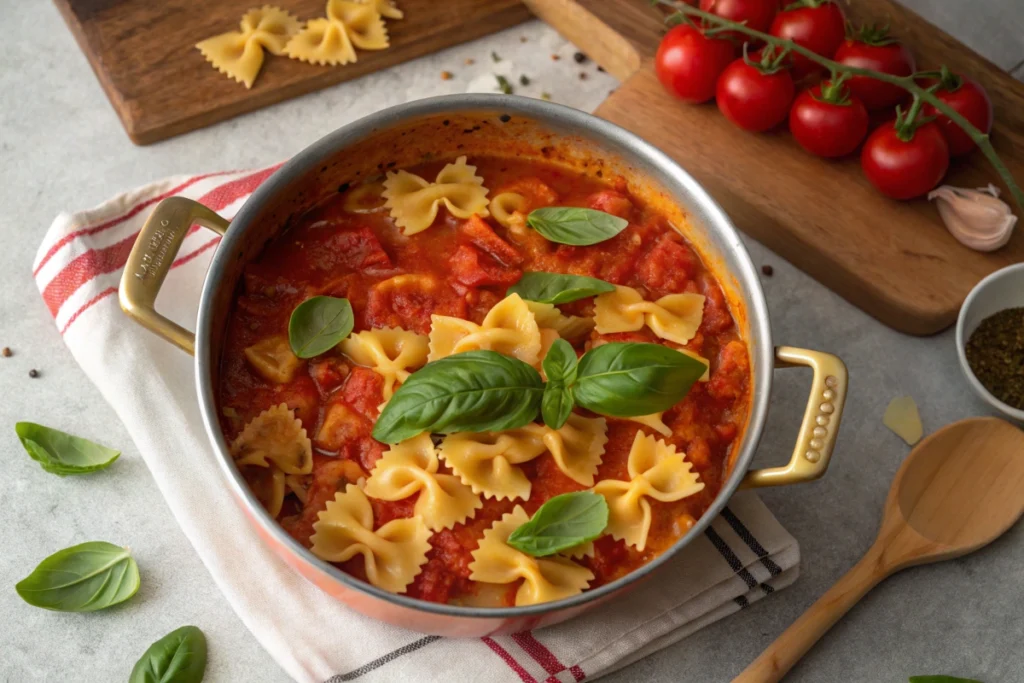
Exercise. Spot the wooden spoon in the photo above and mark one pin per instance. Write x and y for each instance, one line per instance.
(957, 491)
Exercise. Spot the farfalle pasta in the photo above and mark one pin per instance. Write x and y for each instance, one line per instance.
(410, 468)
(392, 554)
(508, 328)
(379, 507)
(658, 473)
(486, 461)
(391, 352)
(274, 436)
(544, 578)
(414, 201)
(675, 317)
(362, 23)
(273, 359)
(239, 54)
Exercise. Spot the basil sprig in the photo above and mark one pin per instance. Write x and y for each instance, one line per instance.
(558, 288)
(632, 379)
(178, 657)
(475, 391)
(83, 578)
(318, 324)
(561, 523)
(560, 367)
(61, 453)
(575, 225)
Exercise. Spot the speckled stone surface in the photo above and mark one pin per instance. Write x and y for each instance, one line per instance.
(61, 147)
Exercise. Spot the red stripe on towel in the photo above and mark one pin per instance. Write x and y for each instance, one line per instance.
(508, 659)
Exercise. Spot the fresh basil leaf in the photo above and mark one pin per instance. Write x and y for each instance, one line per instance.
(629, 379)
(560, 367)
(61, 453)
(178, 657)
(574, 225)
(318, 324)
(475, 391)
(561, 523)
(83, 578)
(941, 679)
(558, 288)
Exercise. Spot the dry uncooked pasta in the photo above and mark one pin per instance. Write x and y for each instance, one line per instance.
(239, 54)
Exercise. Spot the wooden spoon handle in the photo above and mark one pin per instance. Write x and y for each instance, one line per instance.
(796, 640)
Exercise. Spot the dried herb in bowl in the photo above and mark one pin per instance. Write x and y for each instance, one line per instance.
(995, 353)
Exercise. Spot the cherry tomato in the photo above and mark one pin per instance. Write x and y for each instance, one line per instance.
(688, 63)
(828, 121)
(902, 162)
(757, 14)
(818, 25)
(874, 49)
(755, 96)
(968, 99)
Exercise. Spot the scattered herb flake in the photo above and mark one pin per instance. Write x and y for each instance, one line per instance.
(524, 80)
(33, 373)
(554, 57)
(505, 86)
(470, 61)
(767, 270)
(446, 75)
(7, 353)
(523, 39)
(583, 75)
(495, 57)
(579, 57)
(545, 96)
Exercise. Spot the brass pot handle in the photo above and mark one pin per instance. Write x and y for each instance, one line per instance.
(821, 419)
(151, 260)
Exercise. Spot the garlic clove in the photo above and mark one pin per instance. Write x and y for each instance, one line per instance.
(976, 218)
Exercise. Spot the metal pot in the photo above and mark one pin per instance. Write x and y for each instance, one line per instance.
(446, 127)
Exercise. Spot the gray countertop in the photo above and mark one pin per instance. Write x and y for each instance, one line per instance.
(62, 148)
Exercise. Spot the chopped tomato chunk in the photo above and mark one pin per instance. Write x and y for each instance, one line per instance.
(483, 236)
(611, 202)
(474, 269)
(668, 266)
(729, 380)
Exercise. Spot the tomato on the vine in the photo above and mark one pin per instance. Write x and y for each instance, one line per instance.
(827, 120)
(968, 99)
(818, 25)
(757, 14)
(689, 63)
(756, 95)
(907, 158)
(873, 48)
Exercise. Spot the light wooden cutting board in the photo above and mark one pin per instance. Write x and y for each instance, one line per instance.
(893, 259)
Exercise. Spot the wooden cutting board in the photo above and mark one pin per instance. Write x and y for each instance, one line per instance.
(893, 259)
(144, 56)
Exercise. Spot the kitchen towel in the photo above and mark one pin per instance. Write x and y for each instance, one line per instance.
(743, 556)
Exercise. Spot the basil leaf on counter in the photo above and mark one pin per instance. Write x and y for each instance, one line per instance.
(631, 379)
(941, 679)
(560, 367)
(574, 225)
(61, 453)
(475, 391)
(558, 288)
(561, 523)
(178, 657)
(318, 324)
(83, 578)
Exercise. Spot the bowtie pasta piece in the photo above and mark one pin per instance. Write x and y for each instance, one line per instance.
(274, 436)
(486, 461)
(393, 555)
(322, 42)
(545, 578)
(385, 8)
(239, 54)
(572, 328)
(414, 201)
(362, 23)
(390, 351)
(508, 328)
(654, 421)
(675, 317)
(268, 485)
(411, 467)
(273, 359)
(657, 472)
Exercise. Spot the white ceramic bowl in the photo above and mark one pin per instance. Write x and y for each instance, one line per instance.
(1000, 290)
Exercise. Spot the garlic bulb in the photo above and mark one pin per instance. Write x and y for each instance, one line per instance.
(977, 218)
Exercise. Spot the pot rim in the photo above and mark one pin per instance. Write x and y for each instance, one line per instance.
(711, 216)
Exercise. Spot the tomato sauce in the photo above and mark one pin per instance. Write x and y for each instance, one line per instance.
(462, 268)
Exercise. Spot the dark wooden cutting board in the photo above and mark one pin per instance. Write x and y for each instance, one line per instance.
(893, 259)
(144, 56)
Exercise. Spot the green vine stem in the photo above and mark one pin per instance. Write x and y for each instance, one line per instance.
(908, 83)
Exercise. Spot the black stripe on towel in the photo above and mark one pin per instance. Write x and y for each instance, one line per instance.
(381, 661)
(744, 533)
(734, 562)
